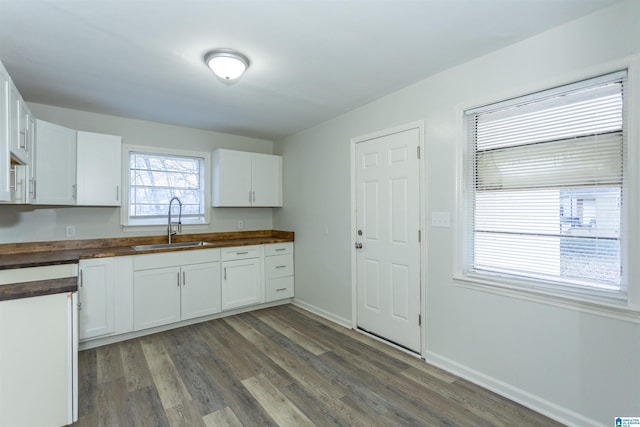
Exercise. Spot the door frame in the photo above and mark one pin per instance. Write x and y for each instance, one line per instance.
(419, 124)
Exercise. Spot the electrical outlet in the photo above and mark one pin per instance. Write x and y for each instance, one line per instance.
(440, 219)
(240, 224)
(71, 231)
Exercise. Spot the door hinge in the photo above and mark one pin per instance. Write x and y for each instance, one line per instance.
(418, 152)
(419, 319)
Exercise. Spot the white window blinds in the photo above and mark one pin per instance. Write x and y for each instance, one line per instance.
(545, 177)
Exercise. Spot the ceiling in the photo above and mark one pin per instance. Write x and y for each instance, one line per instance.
(311, 60)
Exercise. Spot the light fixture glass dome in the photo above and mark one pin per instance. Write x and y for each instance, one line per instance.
(226, 63)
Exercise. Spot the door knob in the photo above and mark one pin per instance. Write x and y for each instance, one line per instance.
(358, 245)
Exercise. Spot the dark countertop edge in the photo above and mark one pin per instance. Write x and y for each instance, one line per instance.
(40, 259)
(38, 288)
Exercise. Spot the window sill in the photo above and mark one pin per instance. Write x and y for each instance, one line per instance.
(162, 228)
(611, 309)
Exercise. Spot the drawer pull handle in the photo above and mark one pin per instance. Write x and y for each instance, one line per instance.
(280, 266)
(281, 289)
(241, 253)
(281, 249)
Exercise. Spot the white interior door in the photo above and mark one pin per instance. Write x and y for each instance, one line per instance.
(388, 224)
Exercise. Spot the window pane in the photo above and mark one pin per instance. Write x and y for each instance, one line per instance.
(568, 234)
(155, 179)
(545, 182)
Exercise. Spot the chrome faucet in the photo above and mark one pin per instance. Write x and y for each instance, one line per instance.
(170, 231)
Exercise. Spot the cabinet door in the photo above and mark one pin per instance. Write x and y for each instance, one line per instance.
(242, 283)
(200, 290)
(5, 194)
(266, 175)
(231, 178)
(55, 174)
(25, 140)
(99, 159)
(96, 292)
(30, 169)
(17, 140)
(17, 185)
(156, 297)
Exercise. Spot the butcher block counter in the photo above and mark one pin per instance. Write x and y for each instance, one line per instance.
(41, 254)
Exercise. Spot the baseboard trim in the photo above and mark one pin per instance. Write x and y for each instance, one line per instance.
(323, 313)
(531, 401)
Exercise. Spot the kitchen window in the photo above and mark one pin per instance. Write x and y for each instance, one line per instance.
(155, 176)
(544, 189)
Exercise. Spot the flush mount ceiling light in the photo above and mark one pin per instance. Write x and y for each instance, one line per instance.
(226, 63)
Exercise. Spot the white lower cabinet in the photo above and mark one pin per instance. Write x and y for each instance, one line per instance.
(105, 297)
(242, 280)
(96, 302)
(156, 297)
(173, 286)
(200, 294)
(278, 266)
(133, 293)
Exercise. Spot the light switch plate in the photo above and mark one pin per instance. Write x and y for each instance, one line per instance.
(440, 219)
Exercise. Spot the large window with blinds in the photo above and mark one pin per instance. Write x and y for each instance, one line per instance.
(154, 178)
(544, 176)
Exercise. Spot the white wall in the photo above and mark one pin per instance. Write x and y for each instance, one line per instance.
(579, 366)
(34, 223)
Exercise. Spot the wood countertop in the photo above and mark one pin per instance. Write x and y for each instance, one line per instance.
(38, 288)
(38, 254)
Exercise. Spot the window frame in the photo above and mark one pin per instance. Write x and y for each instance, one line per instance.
(625, 306)
(206, 187)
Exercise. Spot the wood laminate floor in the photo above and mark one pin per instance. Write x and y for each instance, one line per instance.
(278, 366)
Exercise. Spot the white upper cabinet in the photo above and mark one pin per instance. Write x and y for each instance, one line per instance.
(20, 140)
(5, 193)
(55, 165)
(74, 167)
(246, 179)
(266, 174)
(231, 178)
(99, 160)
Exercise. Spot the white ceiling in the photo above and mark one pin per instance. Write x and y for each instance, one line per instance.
(311, 60)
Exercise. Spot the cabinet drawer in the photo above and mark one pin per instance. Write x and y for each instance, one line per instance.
(173, 259)
(278, 249)
(279, 288)
(278, 266)
(241, 252)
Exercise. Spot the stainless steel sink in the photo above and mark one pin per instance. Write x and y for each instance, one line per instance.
(170, 245)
